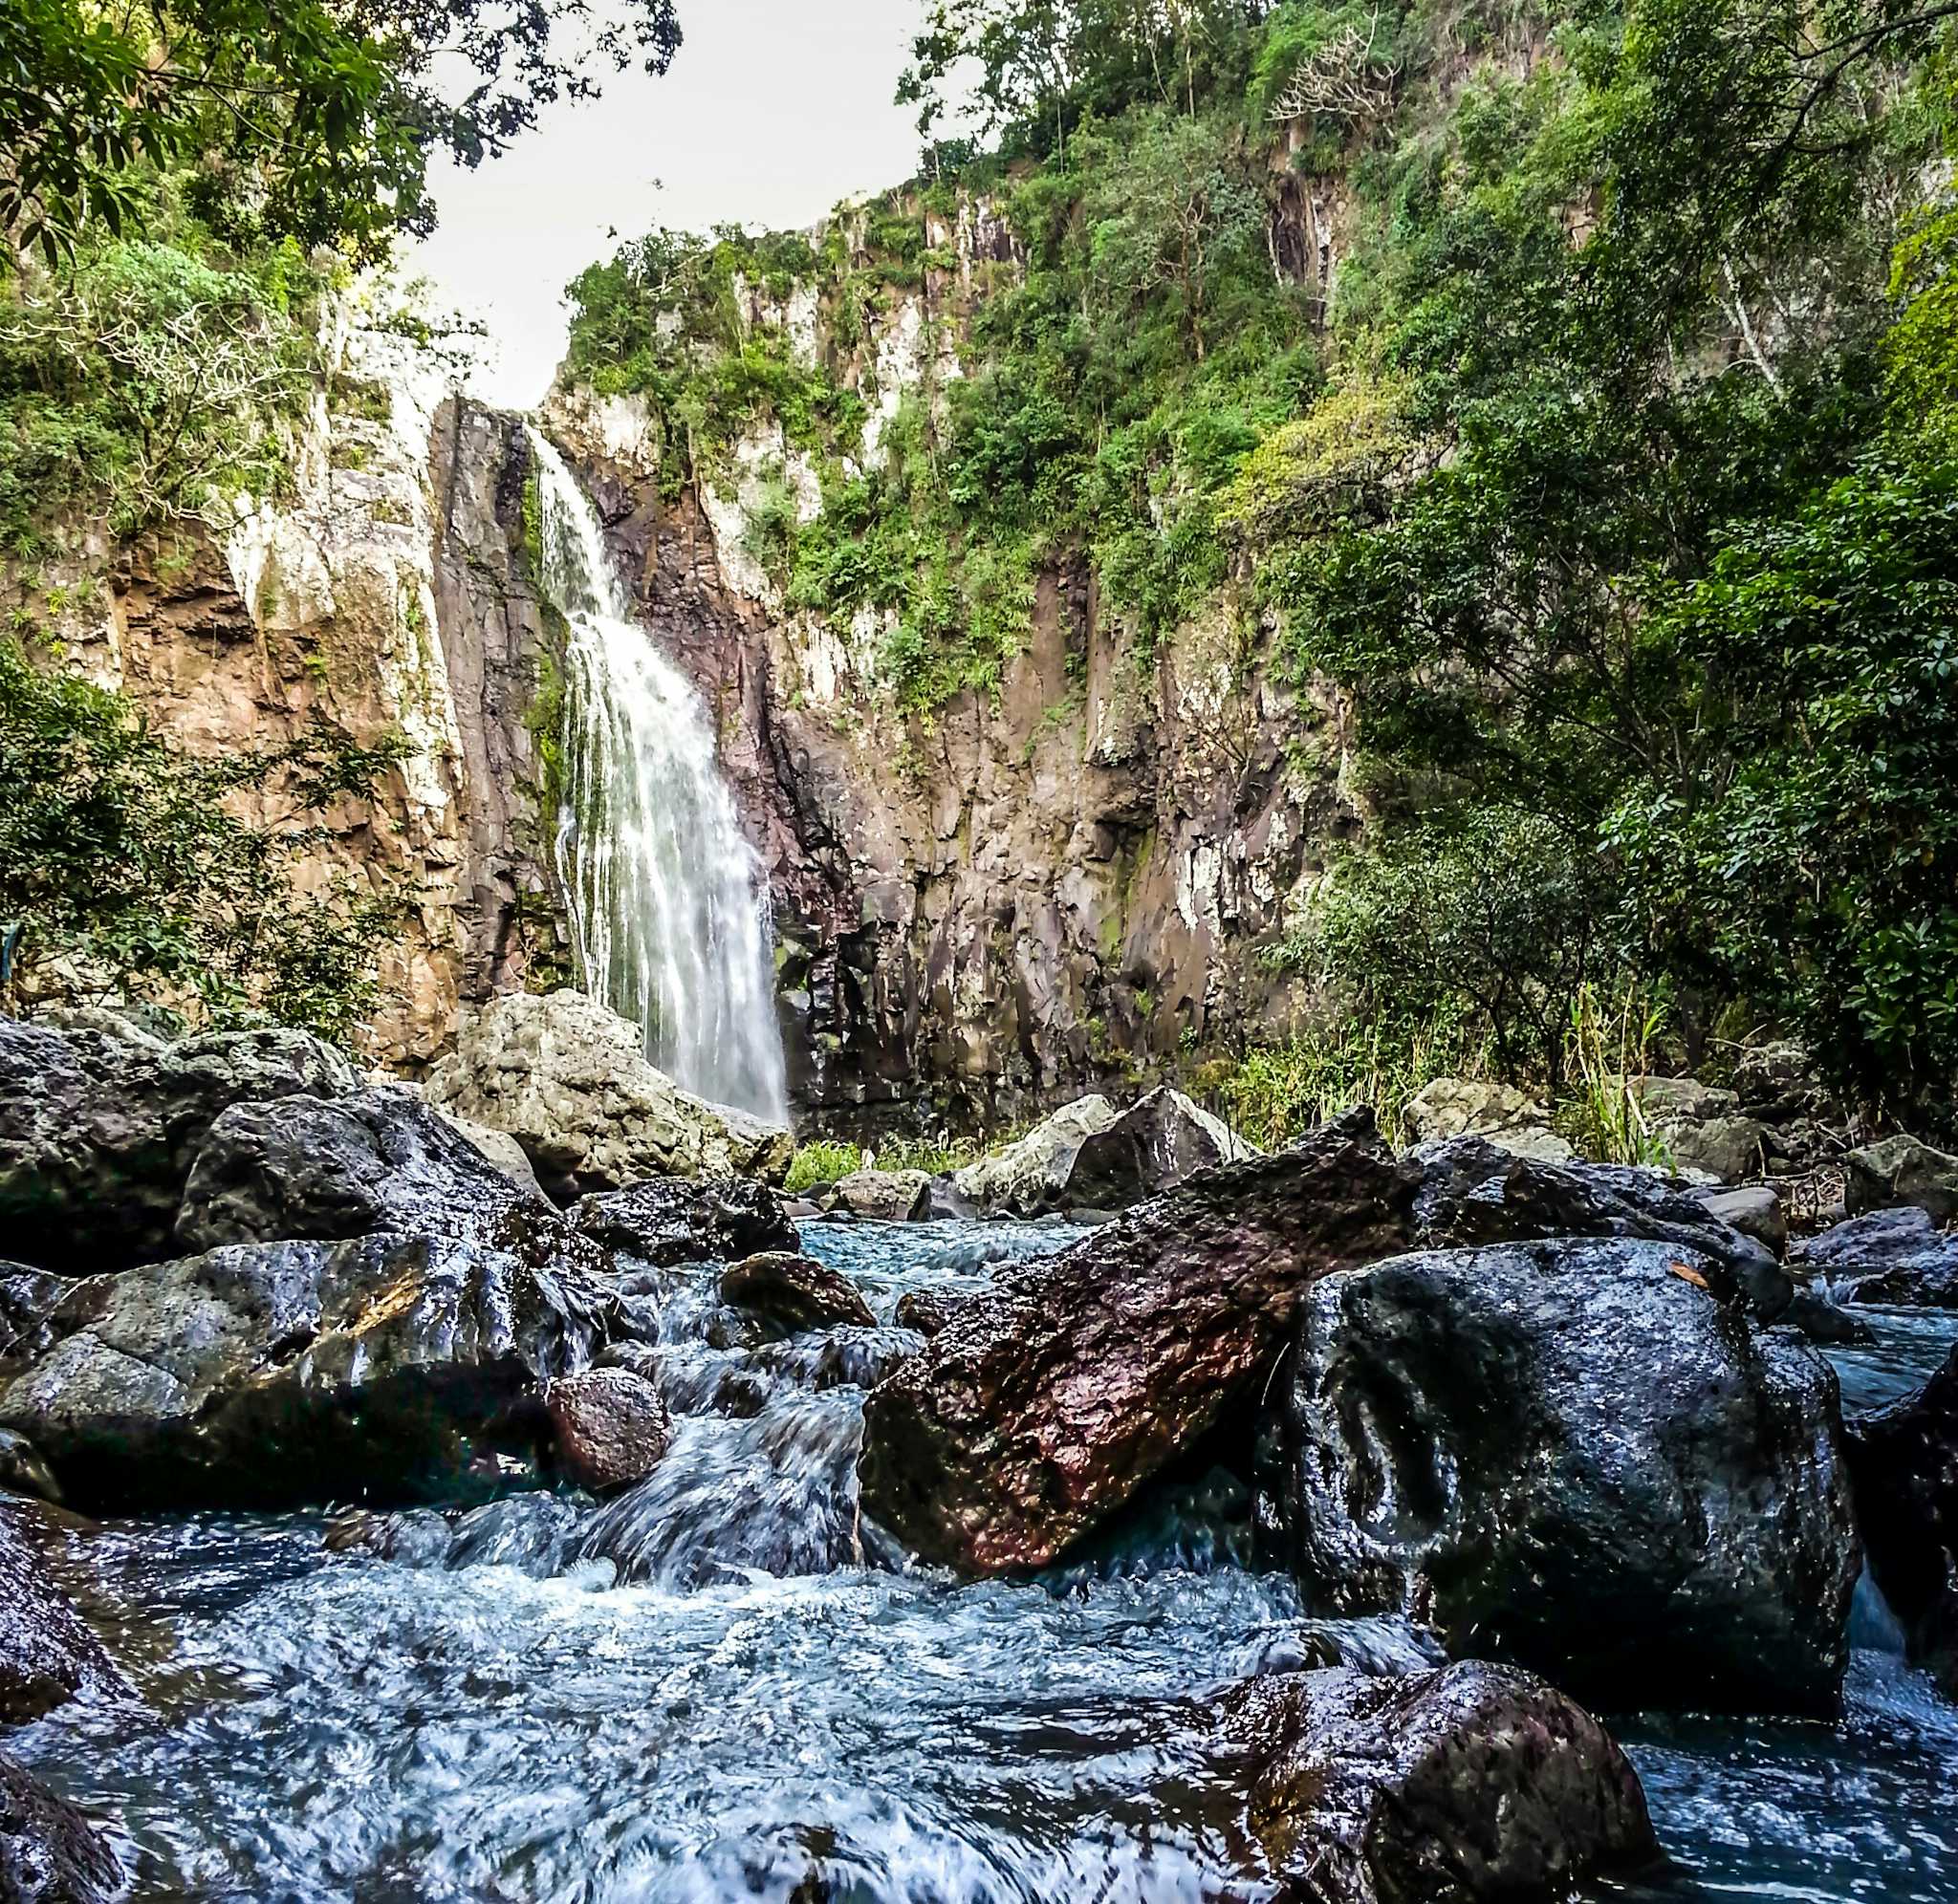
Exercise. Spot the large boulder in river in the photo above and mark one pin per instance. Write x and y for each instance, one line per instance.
(609, 1428)
(1460, 1106)
(670, 1220)
(328, 1168)
(278, 1372)
(98, 1130)
(49, 1655)
(1888, 1256)
(1089, 1155)
(1468, 1783)
(883, 1196)
(795, 1293)
(1568, 1453)
(569, 1079)
(50, 1852)
(1045, 1401)
(1902, 1172)
(1905, 1461)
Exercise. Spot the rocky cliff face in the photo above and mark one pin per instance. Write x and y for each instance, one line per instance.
(384, 596)
(1057, 887)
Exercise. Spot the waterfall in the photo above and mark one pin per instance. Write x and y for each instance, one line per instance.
(668, 900)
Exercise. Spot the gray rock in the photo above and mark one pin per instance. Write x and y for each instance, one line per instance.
(503, 1151)
(1755, 1211)
(1090, 1153)
(1456, 1107)
(1898, 1173)
(570, 1081)
(50, 1852)
(280, 1372)
(331, 1168)
(670, 1220)
(24, 1471)
(1468, 1783)
(98, 1130)
(1888, 1256)
(1567, 1453)
(885, 1196)
(1702, 1126)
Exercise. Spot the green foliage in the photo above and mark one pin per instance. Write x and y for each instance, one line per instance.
(128, 865)
(822, 1162)
(304, 120)
(145, 379)
(1610, 1049)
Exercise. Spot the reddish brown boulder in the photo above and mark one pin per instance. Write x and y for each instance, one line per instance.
(795, 1293)
(611, 1428)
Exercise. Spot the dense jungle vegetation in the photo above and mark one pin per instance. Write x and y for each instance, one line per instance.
(1612, 477)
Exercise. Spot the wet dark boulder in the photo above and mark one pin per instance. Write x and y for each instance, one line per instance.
(1567, 1453)
(50, 1852)
(927, 1311)
(791, 1292)
(1905, 1461)
(1468, 1783)
(271, 1373)
(1888, 1256)
(1472, 1192)
(98, 1130)
(48, 1653)
(29, 1299)
(609, 1428)
(332, 1168)
(670, 1220)
(1045, 1400)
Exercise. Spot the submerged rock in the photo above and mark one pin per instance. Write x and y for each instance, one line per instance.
(48, 1653)
(1474, 1782)
(279, 1373)
(795, 1293)
(98, 1130)
(1567, 1453)
(1902, 1172)
(50, 1852)
(1045, 1401)
(609, 1427)
(1888, 1256)
(1905, 1461)
(1089, 1155)
(1458, 1107)
(569, 1079)
(331, 1168)
(670, 1220)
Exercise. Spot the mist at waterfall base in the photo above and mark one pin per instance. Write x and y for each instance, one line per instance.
(668, 900)
(644, 1700)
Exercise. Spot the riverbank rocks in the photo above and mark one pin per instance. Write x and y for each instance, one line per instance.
(1902, 1172)
(1904, 1460)
(50, 1852)
(609, 1428)
(1567, 1453)
(98, 1128)
(670, 1220)
(1043, 1403)
(332, 1168)
(275, 1374)
(883, 1196)
(1469, 1783)
(48, 1653)
(1888, 1256)
(1090, 1155)
(793, 1293)
(1459, 1107)
(569, 1079)
(1702, 1126)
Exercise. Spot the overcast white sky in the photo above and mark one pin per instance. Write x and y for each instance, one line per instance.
(774, 110)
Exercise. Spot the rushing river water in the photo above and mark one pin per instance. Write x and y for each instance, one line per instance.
(528, 1728)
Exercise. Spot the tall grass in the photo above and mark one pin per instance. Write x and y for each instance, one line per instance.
(1607, 1051)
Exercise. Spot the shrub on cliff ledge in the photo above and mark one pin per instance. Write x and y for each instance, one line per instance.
(130, 868)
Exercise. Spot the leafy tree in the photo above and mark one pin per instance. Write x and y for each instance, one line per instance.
(129, 869)
(308, 119)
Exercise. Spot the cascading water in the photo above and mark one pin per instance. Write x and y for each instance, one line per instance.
(668, 902)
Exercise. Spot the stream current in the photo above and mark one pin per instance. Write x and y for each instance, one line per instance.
(644, 1702)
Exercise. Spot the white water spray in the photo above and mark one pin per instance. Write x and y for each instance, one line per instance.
(668, 900)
